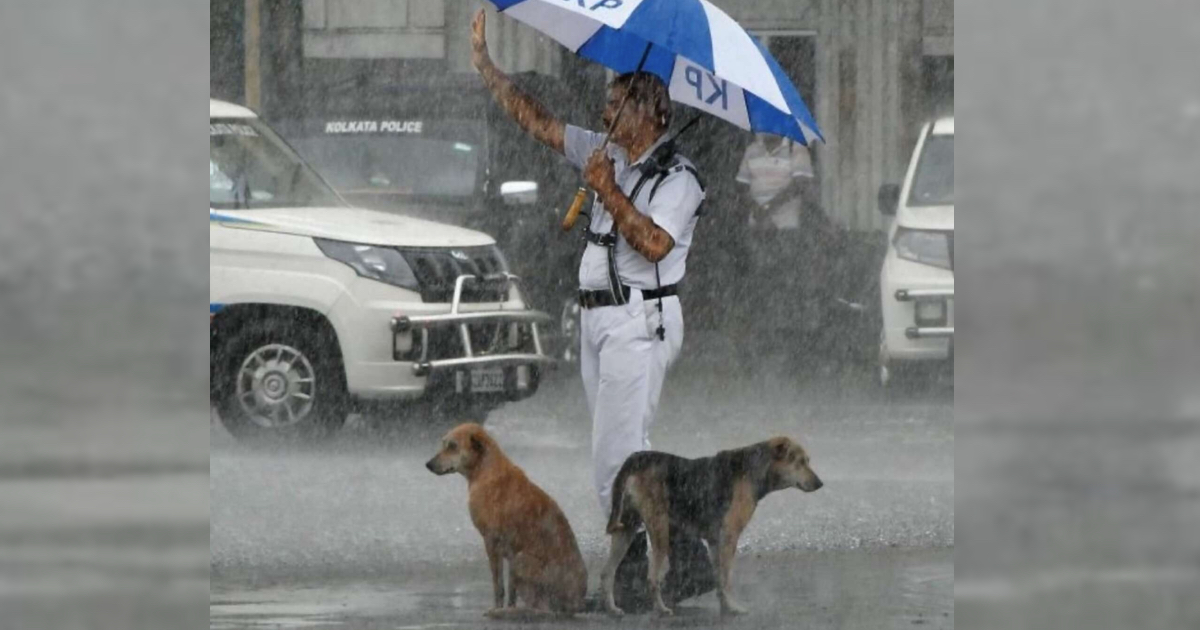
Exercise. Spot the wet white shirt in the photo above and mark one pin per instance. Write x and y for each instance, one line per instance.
(673, 209)
(770, 171)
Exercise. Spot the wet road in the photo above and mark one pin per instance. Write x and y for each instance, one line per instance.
(360, 535)
(837, 589)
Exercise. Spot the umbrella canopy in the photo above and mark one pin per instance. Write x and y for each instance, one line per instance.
(705, 58)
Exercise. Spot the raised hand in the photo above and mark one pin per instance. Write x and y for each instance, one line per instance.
(479, 50)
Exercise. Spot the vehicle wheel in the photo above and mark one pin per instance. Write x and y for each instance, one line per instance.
(908, 381)
(570, 326)
(883, 365)
(281, 383)
(895, 380)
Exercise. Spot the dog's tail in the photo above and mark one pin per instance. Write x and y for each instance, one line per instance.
(615, 516)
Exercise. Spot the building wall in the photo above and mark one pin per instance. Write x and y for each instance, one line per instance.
(869, 100)
(938, 21)
(419, 29)
(226, 51)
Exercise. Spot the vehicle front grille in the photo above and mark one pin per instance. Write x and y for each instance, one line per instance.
(486, 338)
(446, 343)
(438, 269)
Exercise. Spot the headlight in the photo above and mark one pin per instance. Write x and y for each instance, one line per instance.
(930, 248)
(384, 264)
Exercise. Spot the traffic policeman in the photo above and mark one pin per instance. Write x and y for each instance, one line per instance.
(640, 230)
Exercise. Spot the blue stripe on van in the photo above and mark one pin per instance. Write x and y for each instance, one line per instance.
(225, 218)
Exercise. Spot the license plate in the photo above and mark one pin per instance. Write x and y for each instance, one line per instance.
(487, 381)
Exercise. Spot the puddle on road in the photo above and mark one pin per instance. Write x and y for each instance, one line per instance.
(349, 605)
(299, 608)
(883, 589)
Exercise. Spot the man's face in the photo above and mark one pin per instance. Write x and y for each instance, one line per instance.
(633, 121)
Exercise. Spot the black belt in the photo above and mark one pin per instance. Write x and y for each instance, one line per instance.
(604, 297)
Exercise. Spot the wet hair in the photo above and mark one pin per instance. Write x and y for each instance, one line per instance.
(648, 91)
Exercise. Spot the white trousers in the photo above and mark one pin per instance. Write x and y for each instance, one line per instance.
(623, 363)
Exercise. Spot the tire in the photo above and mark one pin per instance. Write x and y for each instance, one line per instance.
(907, 381)
(883, 366)
(570, 328)
(897, 381)
(281, 382)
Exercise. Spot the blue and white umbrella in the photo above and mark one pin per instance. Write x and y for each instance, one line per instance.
(706, 59)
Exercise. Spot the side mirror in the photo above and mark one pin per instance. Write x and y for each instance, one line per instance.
(889, 199)
(519, 193)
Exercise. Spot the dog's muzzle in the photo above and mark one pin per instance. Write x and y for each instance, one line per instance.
(812, 486)
(433, 467)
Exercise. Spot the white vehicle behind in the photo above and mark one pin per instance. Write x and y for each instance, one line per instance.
(917, 278)
(317, 308)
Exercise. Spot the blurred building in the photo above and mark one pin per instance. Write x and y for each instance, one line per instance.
(872, 70)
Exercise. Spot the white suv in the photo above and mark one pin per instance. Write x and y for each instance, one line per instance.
(917, 279)
(316, 307)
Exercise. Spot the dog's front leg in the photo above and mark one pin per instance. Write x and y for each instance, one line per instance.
(659, 531)
(512, 584)
(496, 563)
(727, 548)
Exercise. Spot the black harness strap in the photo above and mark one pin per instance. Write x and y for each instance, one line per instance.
(616, 288)
(675, 168)
(609, 241)
(603, 240)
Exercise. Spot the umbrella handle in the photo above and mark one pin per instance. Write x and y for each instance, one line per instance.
(572, 215)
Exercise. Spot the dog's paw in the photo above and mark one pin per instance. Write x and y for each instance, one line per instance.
(614, 611)
(495, 613)
(663, 611)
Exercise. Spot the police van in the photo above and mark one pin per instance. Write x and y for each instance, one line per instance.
(917, 278)
(317, 307)
(436, 146)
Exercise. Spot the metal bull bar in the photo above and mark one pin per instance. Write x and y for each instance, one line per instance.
(473, 357)
(917, 295)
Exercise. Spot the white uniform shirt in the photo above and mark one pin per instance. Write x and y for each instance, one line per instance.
(673, 209)
(770, 171)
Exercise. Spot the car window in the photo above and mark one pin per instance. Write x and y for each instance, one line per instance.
(431, 158)
(933, 184)
(251, 167)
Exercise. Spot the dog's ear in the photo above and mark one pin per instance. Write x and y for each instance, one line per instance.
(779, 448)
(476, 444)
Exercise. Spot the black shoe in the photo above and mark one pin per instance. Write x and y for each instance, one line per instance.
(631, 591)
(689, 573)
(593, 603)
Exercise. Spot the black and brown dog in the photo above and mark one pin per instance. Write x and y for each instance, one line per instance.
(710, 497)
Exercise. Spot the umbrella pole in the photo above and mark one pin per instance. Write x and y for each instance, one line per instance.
(576, 207)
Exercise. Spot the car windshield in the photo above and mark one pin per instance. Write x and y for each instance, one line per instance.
(249, 166)
(934, 182)
(439, 159)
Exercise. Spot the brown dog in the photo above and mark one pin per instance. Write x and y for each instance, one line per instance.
(519, 523)
(711, 497)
